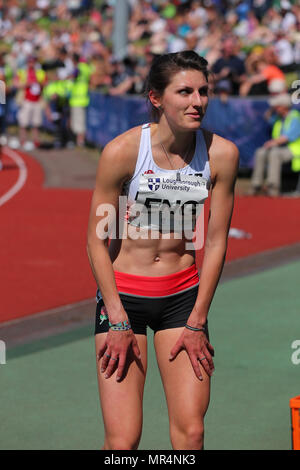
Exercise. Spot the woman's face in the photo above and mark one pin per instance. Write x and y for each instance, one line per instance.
(185, 99)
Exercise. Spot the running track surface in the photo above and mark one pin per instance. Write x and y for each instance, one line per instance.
(50, 391)
(43, 238)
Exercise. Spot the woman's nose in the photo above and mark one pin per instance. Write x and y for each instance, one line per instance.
(196, 99)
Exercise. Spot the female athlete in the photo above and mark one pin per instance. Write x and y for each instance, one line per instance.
(146, 274)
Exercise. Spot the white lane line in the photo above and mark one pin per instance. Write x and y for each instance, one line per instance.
(22, 175)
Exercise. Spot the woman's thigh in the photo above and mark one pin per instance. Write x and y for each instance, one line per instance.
(121, 402)
(187, 396)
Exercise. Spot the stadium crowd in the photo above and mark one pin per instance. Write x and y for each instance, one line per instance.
(53, 52)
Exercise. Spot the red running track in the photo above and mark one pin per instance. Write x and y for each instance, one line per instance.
(43, 239)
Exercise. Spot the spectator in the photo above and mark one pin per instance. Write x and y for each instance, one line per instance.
(284, 51)
(265, 74)
(122, 79)
(6, 94)
(260, 7)
(230, 66)
(79, 101)
(223, 90)
(65, 64)
(284, 146)
(289, 19)
(56, 94)
(31, 81)
(225, 32)
(100, 79)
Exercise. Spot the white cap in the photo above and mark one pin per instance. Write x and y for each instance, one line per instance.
(277, 86)
(282, 99)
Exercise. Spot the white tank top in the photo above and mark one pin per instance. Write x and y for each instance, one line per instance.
(159, 198)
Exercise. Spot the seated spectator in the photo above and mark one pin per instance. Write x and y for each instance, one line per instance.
(229, 66)
(284, 146)
(122, 79)
(262, 79)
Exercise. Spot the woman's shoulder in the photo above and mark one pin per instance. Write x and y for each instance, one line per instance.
(127, 143)
(219, 147)
(223, 154)
(119, 156)
(122, 151)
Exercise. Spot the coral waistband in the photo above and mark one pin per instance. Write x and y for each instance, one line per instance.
(160, 286)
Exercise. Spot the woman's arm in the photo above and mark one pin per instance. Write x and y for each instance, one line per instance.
(113, 170)
(111, 174)
(224, 165)
(224, 162)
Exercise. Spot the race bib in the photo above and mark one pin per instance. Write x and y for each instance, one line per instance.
(168, 202)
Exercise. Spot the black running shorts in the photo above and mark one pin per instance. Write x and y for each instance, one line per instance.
(159, 313)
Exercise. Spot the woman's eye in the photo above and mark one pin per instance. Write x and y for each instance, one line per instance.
(183, 92)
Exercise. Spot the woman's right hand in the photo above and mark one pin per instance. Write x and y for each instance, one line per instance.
(115, 352)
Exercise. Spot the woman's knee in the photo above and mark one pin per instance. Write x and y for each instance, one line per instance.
(190, 436)
(195, 435)
(122, 442)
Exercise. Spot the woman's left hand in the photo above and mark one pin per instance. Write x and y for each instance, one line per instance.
(198, 349)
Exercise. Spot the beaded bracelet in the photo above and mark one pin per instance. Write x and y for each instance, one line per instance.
(193, 328)
(121, 326)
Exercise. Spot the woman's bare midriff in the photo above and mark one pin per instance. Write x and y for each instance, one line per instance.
(151, 257)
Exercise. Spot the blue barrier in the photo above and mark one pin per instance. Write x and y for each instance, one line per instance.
(109, 116)
(239, 120)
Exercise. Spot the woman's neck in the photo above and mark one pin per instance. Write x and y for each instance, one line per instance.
(175, 142)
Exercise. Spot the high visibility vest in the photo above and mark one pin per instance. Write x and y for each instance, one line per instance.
(40, 75)
(9, 74)
(79, 94)
(85, 71)
(50, 90)
(293, 146)
(67, 86)
(62, 88)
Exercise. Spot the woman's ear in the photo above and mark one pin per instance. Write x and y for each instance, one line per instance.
(155, 100)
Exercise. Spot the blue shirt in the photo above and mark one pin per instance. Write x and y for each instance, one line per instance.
(292, 132)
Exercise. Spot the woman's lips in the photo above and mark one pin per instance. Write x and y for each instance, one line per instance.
(195, 115)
